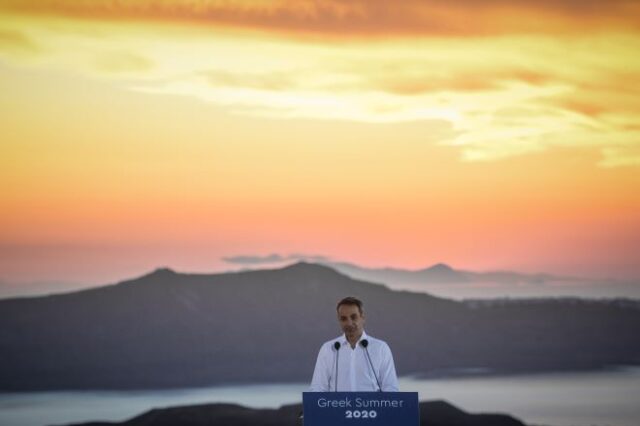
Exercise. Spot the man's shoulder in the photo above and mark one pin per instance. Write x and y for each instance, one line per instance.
(374, 341)
(330, 343)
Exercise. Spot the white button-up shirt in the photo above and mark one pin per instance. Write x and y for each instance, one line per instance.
(354, 373)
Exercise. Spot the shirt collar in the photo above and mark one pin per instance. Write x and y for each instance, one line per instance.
(343, 339)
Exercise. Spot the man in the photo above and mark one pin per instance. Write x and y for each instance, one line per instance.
(354, 361)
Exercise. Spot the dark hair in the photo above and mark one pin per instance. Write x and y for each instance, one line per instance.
(351, 301)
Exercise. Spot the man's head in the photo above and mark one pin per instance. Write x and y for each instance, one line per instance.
(351, 317)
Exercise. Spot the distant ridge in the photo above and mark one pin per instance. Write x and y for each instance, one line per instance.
(441, 273)
(440, 267)
(163, 272)
(446, 281)
(168, 329)
(438, 279)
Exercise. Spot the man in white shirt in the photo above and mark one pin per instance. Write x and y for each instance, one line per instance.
(354, 361)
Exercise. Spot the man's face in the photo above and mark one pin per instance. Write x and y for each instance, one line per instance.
(351, 320)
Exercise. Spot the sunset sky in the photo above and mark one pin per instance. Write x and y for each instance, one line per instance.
(486, 135)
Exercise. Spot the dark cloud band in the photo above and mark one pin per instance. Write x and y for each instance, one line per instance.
(359, 17)
(273, 258)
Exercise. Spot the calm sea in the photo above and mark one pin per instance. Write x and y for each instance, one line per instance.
(604, 398)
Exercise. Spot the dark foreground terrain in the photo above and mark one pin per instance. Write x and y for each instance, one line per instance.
(432, 413)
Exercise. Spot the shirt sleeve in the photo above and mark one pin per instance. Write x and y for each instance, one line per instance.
(322, 373)
(388, 378)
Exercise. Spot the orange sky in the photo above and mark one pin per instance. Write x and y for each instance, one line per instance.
(144, 134)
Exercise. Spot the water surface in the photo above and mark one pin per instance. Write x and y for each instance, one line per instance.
(604, 398)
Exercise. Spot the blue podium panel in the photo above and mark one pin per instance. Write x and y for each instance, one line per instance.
(361, 409)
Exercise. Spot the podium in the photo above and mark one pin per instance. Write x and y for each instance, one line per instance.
(361, 409)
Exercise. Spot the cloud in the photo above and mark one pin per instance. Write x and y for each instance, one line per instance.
(15, 41)
(273, 81)
(410, 82)
(273, 258)
(622, 155)
(358, 17)
(122, 62)
(504, 94)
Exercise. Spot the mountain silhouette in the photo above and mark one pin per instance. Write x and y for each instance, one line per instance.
(169, 329)
(441, 273)
(432, 413)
